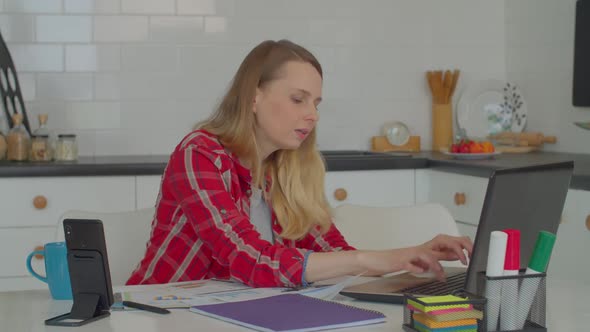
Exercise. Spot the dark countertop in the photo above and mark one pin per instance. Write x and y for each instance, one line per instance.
(152, 165)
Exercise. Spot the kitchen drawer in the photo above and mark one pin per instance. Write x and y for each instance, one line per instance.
(147, 189)
(463, 195)
(371, 188)
(55, 195)
(15, 246)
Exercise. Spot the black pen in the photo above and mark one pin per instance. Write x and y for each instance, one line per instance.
(146, 307)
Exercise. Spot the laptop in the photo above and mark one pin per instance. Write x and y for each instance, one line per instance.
(529, 198)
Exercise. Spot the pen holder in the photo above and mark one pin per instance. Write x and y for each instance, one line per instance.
(466, 314)
(517, 302)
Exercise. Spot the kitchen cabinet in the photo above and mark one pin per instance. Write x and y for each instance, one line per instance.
(147, 189)
(371, 188)
(462, 195)
(31, 209)
(569, 260)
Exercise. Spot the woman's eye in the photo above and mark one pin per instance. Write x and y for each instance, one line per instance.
(297, 100)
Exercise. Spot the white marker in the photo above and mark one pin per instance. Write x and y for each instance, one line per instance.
(495, 268)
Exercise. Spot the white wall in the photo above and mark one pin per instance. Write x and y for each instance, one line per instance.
(132, 76)
(539, 58)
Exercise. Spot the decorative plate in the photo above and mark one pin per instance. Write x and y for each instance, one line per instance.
(489, 107)
(472, 156)
(583, 125)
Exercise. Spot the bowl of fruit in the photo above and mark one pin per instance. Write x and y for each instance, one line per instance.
(472, 149)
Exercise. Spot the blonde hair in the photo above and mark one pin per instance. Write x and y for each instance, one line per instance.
(297, 176)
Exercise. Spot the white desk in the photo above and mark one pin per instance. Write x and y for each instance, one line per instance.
(26, 311)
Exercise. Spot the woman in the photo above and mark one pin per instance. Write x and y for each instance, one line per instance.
(242, 196)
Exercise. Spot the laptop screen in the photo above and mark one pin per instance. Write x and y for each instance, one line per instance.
(530, 199)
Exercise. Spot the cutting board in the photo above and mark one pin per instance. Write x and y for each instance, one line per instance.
(515, 149)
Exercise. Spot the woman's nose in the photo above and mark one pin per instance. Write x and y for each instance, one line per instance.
(312, 114)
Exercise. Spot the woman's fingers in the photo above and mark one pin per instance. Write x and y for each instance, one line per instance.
(457, 245)
(432, 263)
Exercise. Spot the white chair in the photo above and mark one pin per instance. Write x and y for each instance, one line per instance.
(379, 228)
(126, 234)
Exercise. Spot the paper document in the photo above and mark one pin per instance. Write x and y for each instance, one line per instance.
(329, 292)
(174, 295)
(322, 292)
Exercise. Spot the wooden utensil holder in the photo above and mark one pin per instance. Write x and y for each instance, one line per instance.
(442, 126)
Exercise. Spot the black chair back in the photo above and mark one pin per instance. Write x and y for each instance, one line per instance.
(12, 98)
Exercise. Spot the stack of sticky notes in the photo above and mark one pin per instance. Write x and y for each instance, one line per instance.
(430, 317)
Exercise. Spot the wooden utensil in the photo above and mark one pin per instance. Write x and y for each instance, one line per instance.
(532, 138)
(448, 82)
(430, 79)
(515, 149)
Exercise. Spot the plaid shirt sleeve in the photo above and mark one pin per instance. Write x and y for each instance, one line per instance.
(201, 180)
(332, 240)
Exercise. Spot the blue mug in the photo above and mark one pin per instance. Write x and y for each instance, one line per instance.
(56, 269)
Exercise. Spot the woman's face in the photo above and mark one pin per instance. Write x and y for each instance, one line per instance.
(286, 108)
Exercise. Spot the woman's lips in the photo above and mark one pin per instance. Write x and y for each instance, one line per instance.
(302, 133)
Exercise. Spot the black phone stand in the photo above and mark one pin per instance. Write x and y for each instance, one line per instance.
(91, 292)
(85, 309)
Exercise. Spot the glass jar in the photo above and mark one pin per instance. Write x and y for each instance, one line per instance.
(3, 147)
(44, 131)
(66, 148)
(40, 148)
(18, 140)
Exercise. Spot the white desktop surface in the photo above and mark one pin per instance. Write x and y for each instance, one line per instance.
(567, 303)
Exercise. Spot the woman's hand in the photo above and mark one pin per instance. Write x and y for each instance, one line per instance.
(418, 259)
(450, 248)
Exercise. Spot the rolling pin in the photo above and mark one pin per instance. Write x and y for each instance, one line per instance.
(532, 138)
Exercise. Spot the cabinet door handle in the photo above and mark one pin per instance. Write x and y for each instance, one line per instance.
(40, 202)
(39, 248)
(588, 222)
(340, 194)
(460, 199)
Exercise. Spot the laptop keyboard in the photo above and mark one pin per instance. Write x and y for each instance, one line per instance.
(451, 285)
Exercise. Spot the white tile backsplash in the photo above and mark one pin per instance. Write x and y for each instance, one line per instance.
(148, 6)
(478, 22)
(71, 87)
(91, 58)
(27, 86)
(206, 7)
(107, 86)
(55, 111)
(92, 6)
(17, 28)
(112, 70)
(33, 6)
(333, 31)
(148, 58)
(540, 60)
(66, 29)
(175, 29)
(37, 57)
(120, 28)
(93, 115)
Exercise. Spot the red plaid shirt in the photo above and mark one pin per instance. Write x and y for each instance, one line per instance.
(202, 229)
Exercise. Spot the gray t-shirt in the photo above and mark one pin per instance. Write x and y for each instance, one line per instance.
(260, 215)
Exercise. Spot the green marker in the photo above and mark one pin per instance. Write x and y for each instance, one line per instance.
(537, 264)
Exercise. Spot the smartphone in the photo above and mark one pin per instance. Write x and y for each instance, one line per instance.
(89, 273)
